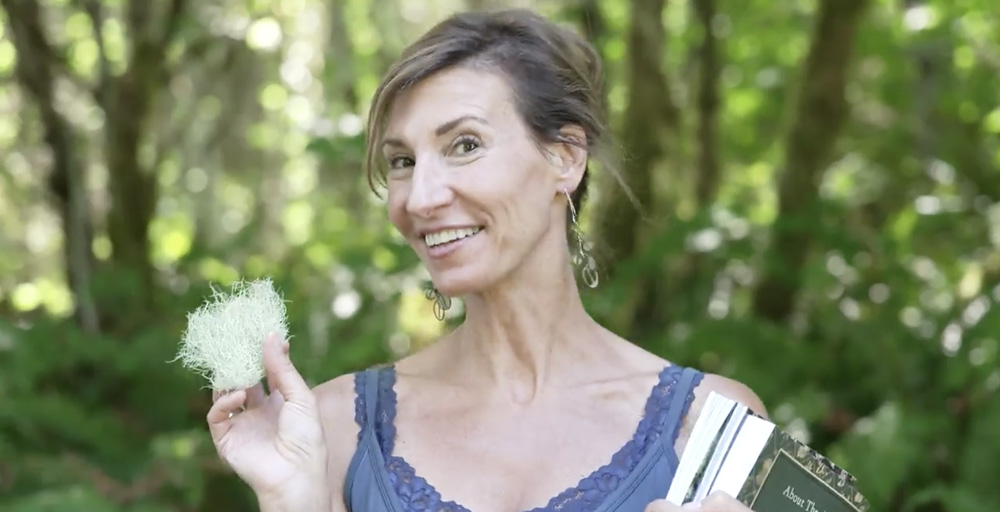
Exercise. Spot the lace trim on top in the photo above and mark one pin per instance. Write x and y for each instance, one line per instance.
(417, 495)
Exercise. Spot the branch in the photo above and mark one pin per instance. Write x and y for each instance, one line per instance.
(140, 19)
(147, 61)
(177, 8)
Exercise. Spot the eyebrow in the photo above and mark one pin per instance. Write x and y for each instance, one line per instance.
(442, 129)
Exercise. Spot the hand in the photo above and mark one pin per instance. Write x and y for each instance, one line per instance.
(274, 442)
(716, 502)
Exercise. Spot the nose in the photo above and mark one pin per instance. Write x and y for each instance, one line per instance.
(429, 190)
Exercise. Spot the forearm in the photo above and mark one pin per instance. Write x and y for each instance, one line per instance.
(307, 505)
(314, 498)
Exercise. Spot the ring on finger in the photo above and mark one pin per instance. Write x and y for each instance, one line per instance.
(234, 413)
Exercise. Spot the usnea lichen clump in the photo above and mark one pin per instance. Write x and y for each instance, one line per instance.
(224, 340)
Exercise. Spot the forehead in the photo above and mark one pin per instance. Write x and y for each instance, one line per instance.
(447, 95)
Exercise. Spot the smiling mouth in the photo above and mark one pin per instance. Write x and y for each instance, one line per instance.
(448, 236)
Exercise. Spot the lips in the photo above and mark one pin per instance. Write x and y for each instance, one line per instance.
(446, 236)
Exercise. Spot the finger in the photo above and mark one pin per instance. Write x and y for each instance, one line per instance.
(271, 385)
(723, 502)
(255, 395)
(661, 506)
(282, 375)
(220, 414)
(269, 376)
(227, 403)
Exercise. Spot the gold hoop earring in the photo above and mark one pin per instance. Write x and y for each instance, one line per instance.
(581, 256)
(442, 302)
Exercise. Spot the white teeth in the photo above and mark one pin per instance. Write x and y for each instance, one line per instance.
(448, 235)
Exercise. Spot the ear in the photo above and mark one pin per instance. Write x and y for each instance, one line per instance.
(569, 158)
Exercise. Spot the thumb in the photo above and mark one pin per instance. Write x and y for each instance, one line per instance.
(281, 373)
(663, 505)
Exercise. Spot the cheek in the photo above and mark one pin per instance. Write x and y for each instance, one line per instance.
(529, 187)
(517, 176)
(396, 207)
(523, 200)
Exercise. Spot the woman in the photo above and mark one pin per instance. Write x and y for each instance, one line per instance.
(482, 131)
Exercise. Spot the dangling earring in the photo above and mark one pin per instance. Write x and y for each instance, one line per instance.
(582, 257)
(442, 302)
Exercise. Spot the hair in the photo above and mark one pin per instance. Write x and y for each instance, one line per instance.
(554, 75)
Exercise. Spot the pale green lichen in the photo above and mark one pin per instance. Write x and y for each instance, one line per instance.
(224, 339)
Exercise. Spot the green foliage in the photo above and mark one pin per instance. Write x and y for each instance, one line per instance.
(888, 363)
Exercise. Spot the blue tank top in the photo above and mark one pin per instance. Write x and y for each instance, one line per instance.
(640, 472)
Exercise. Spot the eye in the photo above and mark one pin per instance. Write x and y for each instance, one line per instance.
(400, 162)
(465, 144)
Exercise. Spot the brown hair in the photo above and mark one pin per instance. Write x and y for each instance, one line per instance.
(554, 74)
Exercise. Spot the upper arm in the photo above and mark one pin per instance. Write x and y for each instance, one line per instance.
(724, 386)
(736, 390)
(335, 399)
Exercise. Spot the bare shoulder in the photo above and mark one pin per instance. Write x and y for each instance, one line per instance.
(335, 400)
(729, 388)
(724, 386)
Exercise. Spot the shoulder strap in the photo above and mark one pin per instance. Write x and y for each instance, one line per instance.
(683, 394)
(365, 399)
(371, 396)
(365, 410)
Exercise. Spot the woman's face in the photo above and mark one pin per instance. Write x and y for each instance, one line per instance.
(468, 187)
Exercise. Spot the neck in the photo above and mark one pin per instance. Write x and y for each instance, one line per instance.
(528, 330)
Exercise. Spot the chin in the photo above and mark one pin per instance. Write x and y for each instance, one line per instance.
(459, 282)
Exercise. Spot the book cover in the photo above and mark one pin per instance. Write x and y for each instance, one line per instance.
(791, 477)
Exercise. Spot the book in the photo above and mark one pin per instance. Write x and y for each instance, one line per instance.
(732, 449)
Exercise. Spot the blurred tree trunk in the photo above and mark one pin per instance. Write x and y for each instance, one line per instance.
(709, 69)
(238, 97)
(391, 27)
(339, 65)
(649, 109)
(272, 194)
(128, 100)
(67, 181)
(648, 131)
(691, 279)
(595, 28)
(819, 114)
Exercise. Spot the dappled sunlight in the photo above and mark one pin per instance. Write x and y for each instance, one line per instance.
(853, 232)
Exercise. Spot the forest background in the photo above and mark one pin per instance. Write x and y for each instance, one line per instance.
(820, 191)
